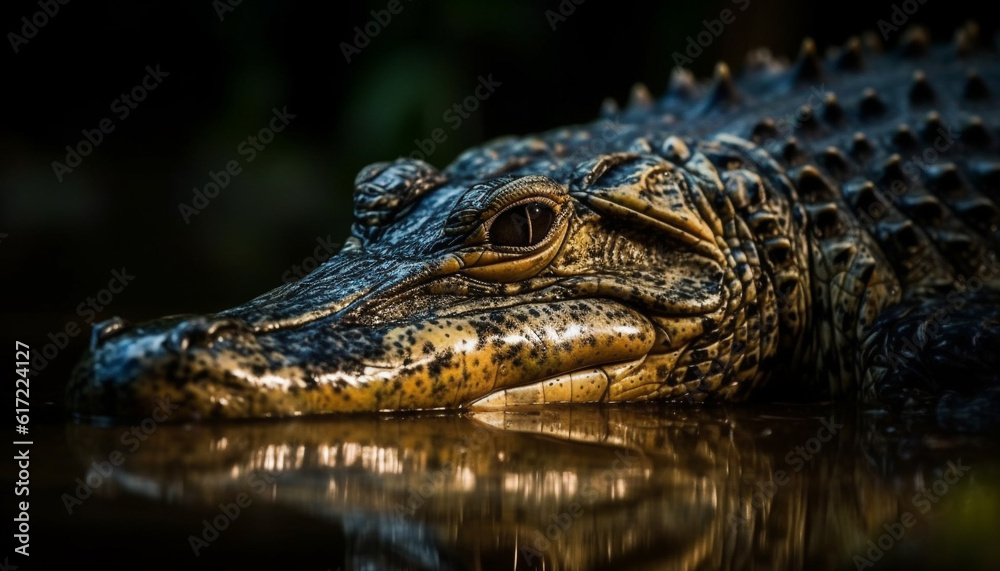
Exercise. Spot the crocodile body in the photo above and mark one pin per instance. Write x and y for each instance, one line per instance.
(825, 229)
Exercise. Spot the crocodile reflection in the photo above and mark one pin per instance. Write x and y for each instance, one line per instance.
(556, 488)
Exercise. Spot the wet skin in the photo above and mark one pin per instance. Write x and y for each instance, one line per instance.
(678, 250)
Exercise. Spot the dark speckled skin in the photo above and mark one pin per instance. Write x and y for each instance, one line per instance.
(782, 231)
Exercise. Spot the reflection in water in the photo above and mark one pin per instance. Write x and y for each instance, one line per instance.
(556, 488)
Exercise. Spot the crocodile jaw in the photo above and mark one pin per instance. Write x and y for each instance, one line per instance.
(320, 367)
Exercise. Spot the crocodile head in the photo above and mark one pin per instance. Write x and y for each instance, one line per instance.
(612, 279)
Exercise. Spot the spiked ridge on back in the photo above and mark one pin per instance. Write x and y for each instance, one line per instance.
(894, 156)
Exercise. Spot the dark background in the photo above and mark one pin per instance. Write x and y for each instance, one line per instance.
(119, 208)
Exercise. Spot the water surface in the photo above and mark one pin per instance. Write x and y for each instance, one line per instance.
(647, 487)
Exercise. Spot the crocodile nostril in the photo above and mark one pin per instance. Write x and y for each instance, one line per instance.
(204, 332)
(105, 330)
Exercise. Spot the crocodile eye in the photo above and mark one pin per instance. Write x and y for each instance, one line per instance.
(522, 225)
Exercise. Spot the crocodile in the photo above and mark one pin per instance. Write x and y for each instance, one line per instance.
(820, 229)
